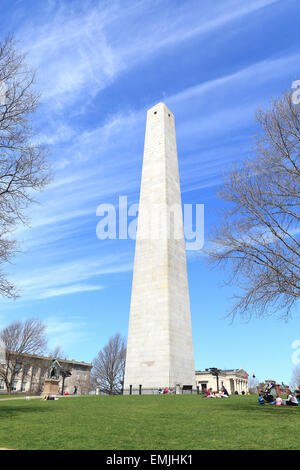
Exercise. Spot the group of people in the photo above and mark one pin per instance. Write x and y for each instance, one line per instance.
(223, 393)
(164, 391)
(290, 401)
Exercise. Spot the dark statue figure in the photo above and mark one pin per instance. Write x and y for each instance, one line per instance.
(54, 369)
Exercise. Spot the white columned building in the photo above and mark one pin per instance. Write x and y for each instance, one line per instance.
(234, 380)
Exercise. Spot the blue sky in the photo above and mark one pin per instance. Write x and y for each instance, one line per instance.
(101, 65)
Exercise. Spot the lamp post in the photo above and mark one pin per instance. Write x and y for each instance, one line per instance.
(64, 373)
(215, 372)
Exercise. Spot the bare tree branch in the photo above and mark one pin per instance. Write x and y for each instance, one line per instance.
(109, 365)
(258, 234)
(19, 339)
(57, 353)
(23, 161)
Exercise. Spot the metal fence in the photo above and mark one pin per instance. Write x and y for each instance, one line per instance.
(185, 390)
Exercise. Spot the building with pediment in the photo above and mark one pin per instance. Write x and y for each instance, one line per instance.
(234, 380)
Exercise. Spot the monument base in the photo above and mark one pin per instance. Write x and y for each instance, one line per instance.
(50, 387)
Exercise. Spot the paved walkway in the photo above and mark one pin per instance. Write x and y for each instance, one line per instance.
(18, 398)
(34, 397)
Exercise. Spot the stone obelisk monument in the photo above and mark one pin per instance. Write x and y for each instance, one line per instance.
(160, 347)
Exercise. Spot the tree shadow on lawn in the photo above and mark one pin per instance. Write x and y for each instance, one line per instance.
(261, 409)
(11, 411)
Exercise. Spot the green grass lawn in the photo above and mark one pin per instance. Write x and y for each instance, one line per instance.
(148, 422)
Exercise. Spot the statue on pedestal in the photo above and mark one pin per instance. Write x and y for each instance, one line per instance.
(51, 384)
(54, 369)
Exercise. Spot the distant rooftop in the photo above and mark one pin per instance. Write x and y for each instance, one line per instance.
(222, 370)
(69, 361)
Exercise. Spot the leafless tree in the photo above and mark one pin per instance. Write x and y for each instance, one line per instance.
(18, 340)
(57, 353)
(108, 366)
(253, 384)
(295, 382)
(23, 167)
(258, 234)
(83, 385)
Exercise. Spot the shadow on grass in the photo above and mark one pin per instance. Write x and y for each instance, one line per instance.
(12, 411)
(261, 409)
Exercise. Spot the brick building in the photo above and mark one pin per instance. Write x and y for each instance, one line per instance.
(32, 370)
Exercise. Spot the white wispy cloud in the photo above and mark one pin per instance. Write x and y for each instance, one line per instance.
(72, 289)
(182, 24)
(72, 54)
(63, 133)
(66, 332)
(76, 192)
(242, 79)
(80, 51)
(67, 278)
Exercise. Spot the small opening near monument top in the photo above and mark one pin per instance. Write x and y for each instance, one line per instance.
(155, 112)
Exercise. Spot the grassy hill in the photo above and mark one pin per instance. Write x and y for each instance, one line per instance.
(159, 422)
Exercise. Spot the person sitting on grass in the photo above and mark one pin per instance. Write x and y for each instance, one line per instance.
(223, 393)
(292, 400)
(278, 401)
(261, 401)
